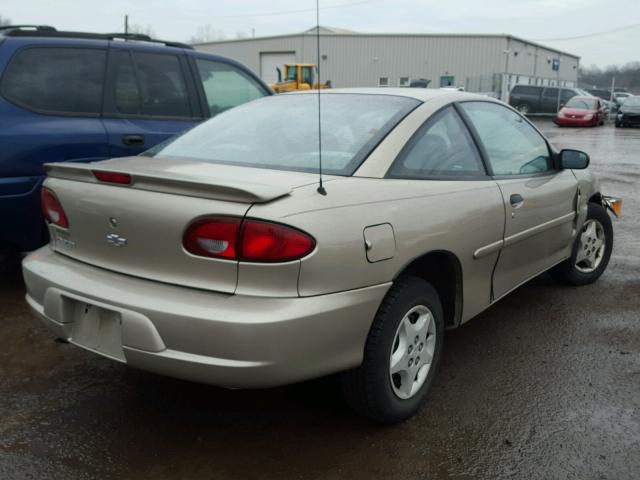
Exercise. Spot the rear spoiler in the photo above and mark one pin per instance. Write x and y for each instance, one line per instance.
(204, 187)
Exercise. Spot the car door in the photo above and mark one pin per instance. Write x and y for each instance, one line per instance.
(455, 206)
(150, 96)
(549, 100)
(539, 200)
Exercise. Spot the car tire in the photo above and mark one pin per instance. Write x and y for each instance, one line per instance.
(588, 259)
(617, 125)
(524, 108)
(372, 389)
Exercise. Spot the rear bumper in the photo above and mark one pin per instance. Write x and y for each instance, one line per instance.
(235, 341)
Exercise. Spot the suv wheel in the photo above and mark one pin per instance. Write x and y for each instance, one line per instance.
(591, 250)
(524, 108)
(401, 354)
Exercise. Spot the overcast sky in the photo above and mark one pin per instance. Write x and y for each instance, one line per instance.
(532, 19)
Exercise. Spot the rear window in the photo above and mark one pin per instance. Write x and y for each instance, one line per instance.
(281, 132)
(56, 80)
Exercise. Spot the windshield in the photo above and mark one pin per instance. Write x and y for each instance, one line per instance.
(281, 132)
(582, 103)
(632, 102)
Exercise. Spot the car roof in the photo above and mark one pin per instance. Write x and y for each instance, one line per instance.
(421, 94)
(583, 97)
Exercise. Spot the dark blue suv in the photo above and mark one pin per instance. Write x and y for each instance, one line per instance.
(81, 97)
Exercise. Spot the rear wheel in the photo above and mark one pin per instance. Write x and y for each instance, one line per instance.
(401, 354)
(591, 250)
(524, 108)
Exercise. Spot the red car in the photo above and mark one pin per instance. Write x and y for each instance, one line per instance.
(581, 112)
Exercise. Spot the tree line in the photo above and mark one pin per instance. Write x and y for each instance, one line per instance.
(626, 76)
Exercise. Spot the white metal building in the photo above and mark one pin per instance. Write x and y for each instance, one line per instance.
(477, 62)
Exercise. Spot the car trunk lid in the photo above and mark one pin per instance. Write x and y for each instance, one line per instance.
(137, 229)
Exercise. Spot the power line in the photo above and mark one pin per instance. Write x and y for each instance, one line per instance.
(588, 35)
(288, 12)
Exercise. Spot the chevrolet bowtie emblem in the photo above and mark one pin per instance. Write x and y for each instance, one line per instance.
(116, 240)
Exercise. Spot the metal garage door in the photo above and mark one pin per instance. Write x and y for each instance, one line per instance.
(269, 61)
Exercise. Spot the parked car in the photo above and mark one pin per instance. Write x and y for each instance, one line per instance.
(78, 97)
(620, 97)
(581, 112)
(221, 259)
(629, 113)
(534, 99)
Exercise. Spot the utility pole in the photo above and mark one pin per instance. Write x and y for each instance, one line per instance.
(558, 84)
(126, 24)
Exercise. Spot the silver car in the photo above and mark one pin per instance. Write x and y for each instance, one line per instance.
(219, 258)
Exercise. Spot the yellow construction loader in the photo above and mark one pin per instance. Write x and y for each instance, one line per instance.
(298, 76)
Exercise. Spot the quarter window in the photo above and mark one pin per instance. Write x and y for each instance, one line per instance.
(57, 80)
(513, 146)
(225, 86)
(441, 148)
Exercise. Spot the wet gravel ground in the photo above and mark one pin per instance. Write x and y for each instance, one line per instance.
(544, 385)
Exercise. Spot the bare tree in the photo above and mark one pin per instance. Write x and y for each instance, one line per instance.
(139, 29)
(206, 33)
(4, 21)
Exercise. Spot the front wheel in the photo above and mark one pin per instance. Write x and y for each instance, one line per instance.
(401, 354)
(591, 249)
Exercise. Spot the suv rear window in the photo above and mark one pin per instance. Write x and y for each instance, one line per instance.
(56, 80)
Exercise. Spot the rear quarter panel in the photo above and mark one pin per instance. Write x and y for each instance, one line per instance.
(454, 216)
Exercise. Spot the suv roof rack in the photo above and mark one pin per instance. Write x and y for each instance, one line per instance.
(48, 31)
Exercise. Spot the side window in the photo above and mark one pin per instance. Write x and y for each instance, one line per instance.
(513, 146)
(127, 94)
(56, 80)
(225, 86)
(551, 92)
(149, 84)
(442, 147)
(565, 95)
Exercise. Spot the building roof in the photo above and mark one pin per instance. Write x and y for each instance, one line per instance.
(330, 30)
(343, 32)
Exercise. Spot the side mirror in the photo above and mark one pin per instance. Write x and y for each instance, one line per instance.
(573, 159)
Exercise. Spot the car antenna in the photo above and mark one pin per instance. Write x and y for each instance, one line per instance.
(321, 189)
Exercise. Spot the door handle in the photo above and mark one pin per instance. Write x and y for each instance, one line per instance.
(133, 140)
(516, 200)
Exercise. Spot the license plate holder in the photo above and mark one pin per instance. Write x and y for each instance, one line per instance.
(97, 329)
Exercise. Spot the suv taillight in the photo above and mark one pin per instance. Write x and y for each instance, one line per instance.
(52, 209)
(246, 240)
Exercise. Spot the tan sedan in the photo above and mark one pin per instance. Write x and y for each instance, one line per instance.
(218, 258)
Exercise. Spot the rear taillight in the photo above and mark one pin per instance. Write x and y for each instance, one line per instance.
(215, 237)
(249, 240)
(112, 177)
(52, 209)
(271, 242)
